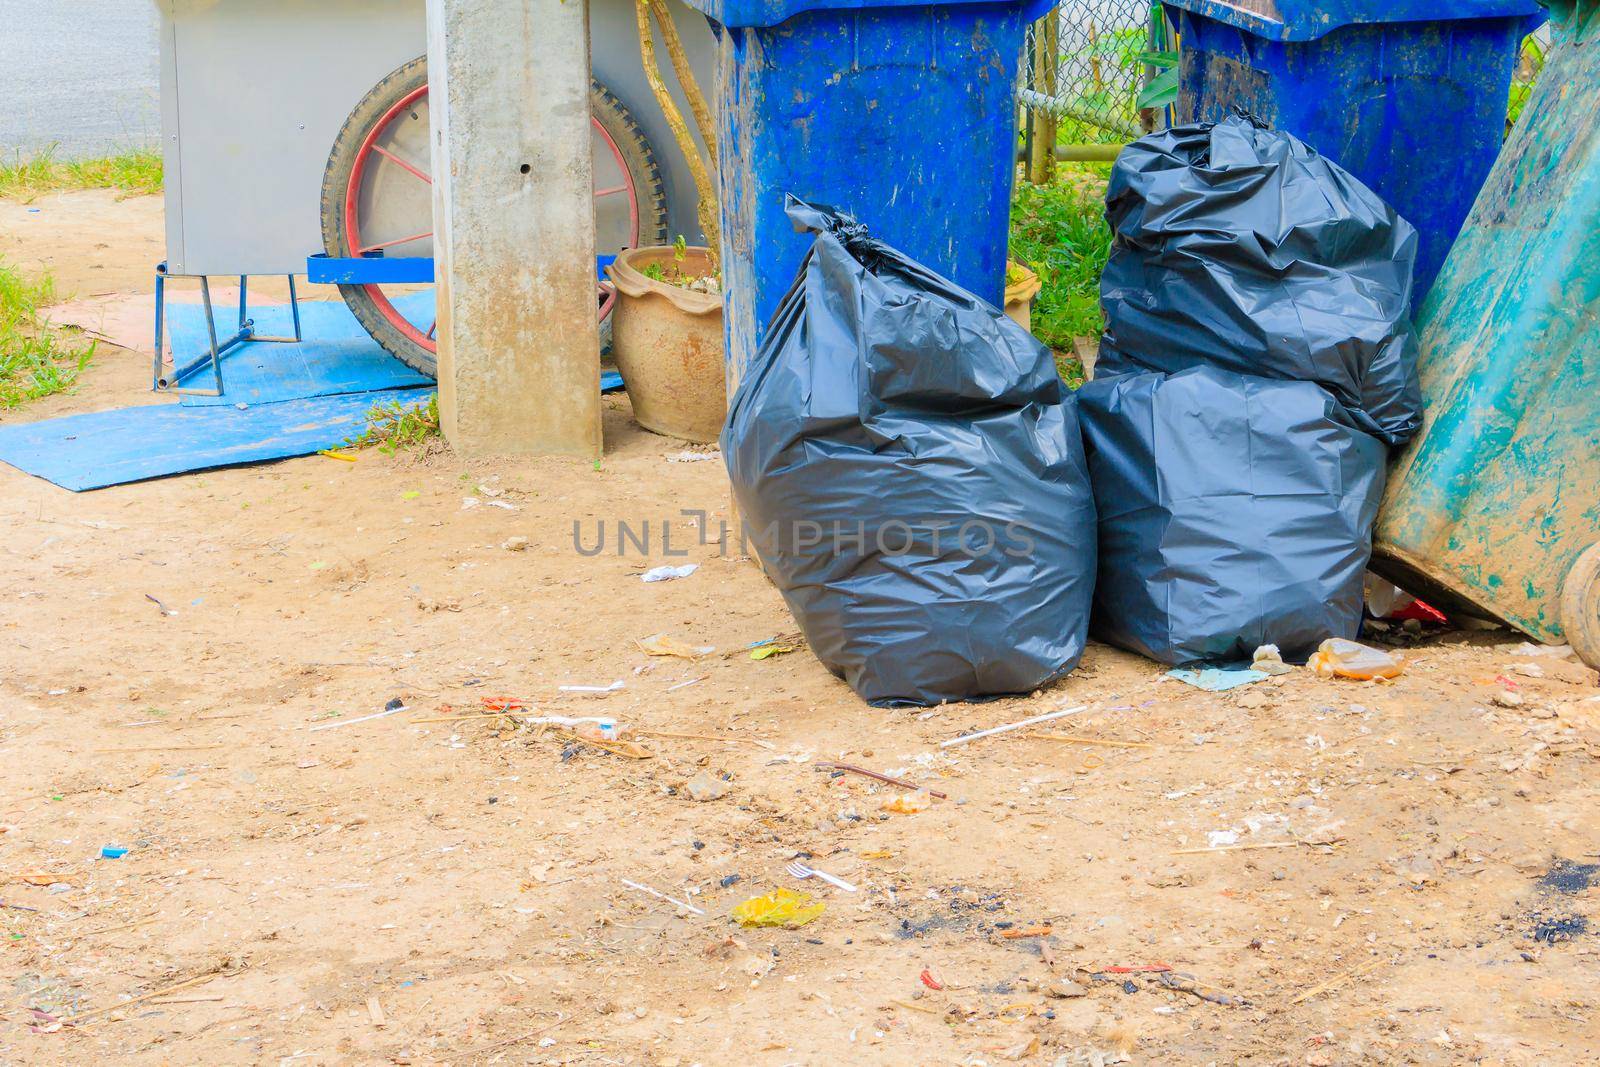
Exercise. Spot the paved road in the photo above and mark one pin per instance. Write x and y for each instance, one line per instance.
(80, 74)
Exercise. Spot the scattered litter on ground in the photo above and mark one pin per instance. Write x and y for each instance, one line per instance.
(224, 970)
(789, 641)
(1323, 987)
(1022, 933)
(470, 502)
(612, 688)
(1268, 660)
(694, 457)
(908, 803)
(394, 707)
(1074, 739)
(781, 907)
(768, 651)
(803, 871)
(663, 645)
(515, 544)
(705, 786)
(1247, 847)
(685, 684)
(885, 778)
(162, 607)
(1529, 649)
(112, 852)
(1339, 658)
(684, 904)
(1217, 679)
(667, 572)
(756, 741)
(1047, 717)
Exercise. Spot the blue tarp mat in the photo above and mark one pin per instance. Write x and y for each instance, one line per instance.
(337, 355)
(93, 451)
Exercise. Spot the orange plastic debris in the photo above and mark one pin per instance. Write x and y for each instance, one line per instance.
(909, 803)
(1338, 658)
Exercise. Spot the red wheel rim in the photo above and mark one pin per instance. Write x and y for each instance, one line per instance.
(370, 150)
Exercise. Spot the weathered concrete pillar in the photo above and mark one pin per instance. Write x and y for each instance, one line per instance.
(514, 226)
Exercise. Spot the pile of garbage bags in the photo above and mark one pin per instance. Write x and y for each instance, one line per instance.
(910, 473)
(1258, 363)
(914, 478)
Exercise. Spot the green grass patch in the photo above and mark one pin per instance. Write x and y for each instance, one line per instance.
(36, 359)
(395, 427)
(135, 172)
(1059, 231)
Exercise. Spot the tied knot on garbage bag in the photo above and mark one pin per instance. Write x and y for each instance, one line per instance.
(910, 473)
(1258, 363)
(818, 218)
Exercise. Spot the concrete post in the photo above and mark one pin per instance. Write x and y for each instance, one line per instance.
(514, 226)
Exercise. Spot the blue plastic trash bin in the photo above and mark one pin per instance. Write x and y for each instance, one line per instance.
(1407, 95)
(902, 114)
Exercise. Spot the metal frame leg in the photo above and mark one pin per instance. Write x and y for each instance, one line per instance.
(156, 381)
(244, 334)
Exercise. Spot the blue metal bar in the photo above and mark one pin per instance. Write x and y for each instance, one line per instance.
(323, 269)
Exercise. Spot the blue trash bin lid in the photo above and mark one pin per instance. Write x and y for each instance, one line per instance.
(743, 13)
(1306, 20)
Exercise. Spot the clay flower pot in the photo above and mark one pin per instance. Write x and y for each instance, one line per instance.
(667, 341)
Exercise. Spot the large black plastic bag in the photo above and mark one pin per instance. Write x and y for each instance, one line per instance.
(1235, 511)
(1242, 248)
(911, 474)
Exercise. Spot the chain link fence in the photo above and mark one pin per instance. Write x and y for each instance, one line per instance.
(1085, 66)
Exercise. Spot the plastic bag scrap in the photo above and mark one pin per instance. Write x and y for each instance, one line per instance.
(910, 472)
(1242, 248)
(1235, 512)
(781, 907)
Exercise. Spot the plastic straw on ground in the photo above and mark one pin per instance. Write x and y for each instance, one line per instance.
(657, 893)
(964, 738)
(365, 718)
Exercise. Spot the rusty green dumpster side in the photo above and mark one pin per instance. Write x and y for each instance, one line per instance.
(1492, 505)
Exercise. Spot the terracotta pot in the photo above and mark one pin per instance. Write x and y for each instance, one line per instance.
(667, 342)
(1019, 296)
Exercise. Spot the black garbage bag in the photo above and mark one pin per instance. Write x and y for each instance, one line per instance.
(1235, 511)
(910, 473)
(1242, 248)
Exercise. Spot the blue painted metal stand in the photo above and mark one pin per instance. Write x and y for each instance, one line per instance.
(246, 331)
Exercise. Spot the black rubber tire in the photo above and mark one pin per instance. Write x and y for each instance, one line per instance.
(1580, 606)
(606, 108)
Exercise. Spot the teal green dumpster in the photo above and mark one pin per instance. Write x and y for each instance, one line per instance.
(1495, 507)
(1407, 95)
(901, 113)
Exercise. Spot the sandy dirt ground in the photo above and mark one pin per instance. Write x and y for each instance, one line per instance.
(1334, 872)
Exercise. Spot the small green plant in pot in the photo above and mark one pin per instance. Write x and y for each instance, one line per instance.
(666, 337)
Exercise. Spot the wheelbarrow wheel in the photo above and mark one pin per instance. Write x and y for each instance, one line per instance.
(377, 197)
(1580, 606)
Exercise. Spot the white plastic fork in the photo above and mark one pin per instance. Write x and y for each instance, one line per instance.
(800, 870)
